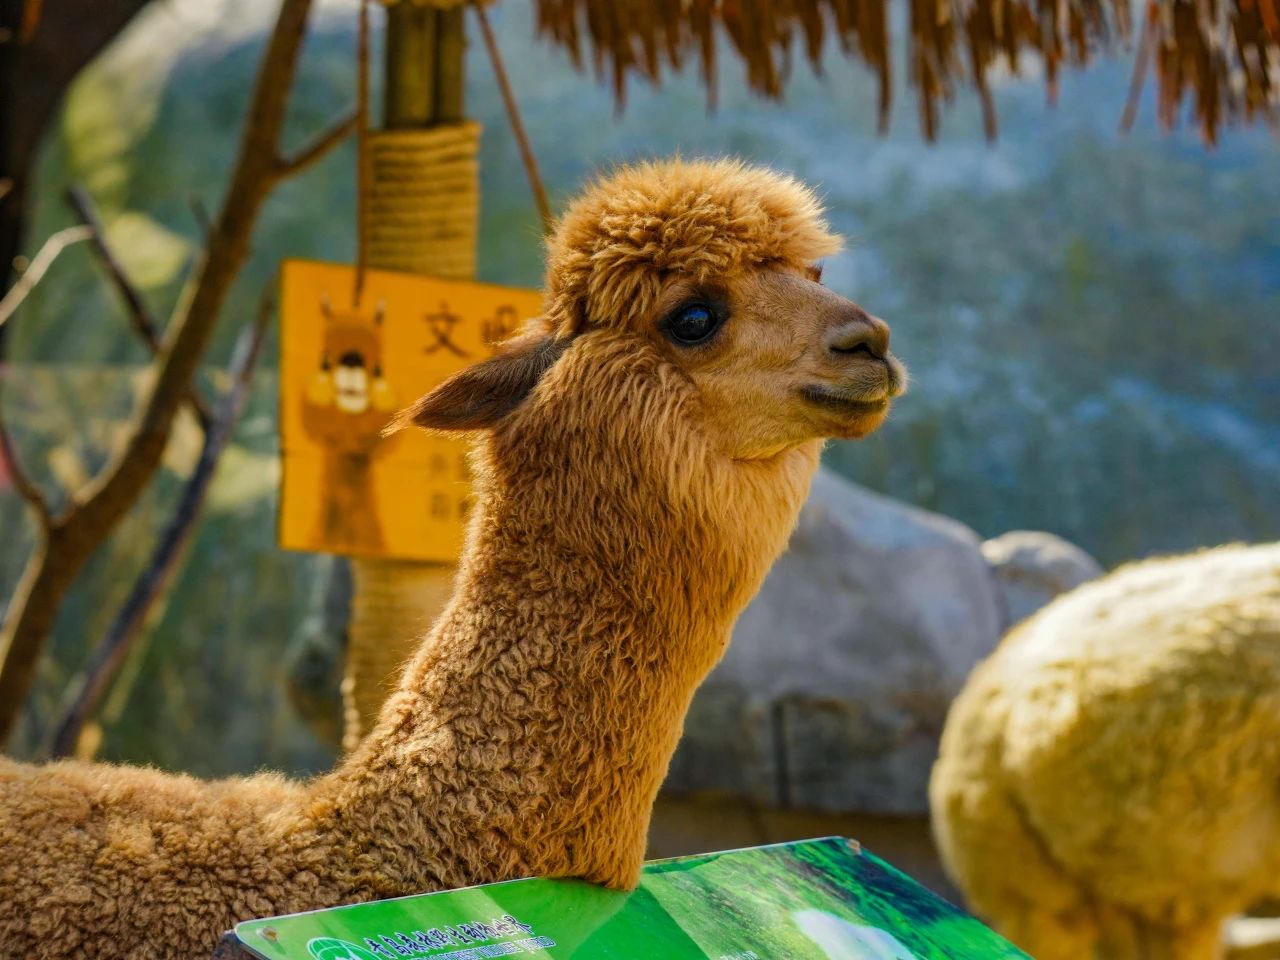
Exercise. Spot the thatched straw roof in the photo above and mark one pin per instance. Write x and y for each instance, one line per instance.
(1222, 55)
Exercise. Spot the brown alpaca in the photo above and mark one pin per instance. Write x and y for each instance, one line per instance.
(645, 448)
(1107, 785)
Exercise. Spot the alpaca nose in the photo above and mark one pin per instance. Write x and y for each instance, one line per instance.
(866, 334)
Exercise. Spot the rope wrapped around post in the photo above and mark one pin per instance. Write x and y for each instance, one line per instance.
(423, 212)
(424, 196)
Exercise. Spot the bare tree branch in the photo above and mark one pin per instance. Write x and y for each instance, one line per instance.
(200, 214)
(318, 148)
(26, 487)
(39, 266)
(155, 580)
(136, 308)
(68, 35)
(74, 535)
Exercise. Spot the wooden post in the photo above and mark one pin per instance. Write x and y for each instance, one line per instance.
(423, 219)
(410, 77)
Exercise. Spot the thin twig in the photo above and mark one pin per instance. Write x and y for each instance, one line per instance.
(136, 308)
(517, 123)
(200, 214)
(111, 654)
(26, 487)
(318, 148)
(40, 264)
(1138, 79)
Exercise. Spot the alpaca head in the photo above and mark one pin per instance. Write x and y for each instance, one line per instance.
(683, 300)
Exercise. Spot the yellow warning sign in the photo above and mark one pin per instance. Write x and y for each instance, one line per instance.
(346, 369)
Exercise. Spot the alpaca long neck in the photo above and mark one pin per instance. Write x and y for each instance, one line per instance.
(534, 727)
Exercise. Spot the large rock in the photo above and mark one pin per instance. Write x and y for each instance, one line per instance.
(1032, 567)
(834, 691)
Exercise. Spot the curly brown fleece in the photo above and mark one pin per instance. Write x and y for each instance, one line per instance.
(1109, 779)
(611, 550)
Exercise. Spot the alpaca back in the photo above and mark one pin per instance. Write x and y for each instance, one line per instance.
(1132, 728)
(93, 855)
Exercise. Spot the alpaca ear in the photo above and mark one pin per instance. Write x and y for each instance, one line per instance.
(479, 397)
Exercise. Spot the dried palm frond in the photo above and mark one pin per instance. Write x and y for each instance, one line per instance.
(438, 4)
(1225, 53)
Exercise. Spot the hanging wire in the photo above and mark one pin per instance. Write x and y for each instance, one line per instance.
(362, 151)
(513, 116)
(1141, 60)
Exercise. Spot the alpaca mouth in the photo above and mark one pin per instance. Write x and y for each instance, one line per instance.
(867, 388)
(859, 402)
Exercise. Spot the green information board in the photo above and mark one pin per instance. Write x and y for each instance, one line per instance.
(814, 900)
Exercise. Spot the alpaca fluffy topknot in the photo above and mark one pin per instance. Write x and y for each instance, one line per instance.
(613, 248)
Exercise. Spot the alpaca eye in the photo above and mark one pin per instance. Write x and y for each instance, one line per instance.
(692, 323)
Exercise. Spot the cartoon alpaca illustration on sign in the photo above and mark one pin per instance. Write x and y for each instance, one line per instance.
(346, 405)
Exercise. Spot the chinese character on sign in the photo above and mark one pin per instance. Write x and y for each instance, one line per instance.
(441, 325)
(501, 325)
(439, 506)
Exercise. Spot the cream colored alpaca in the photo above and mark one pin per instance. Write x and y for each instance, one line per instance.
(645, 449)
(1109, 780)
